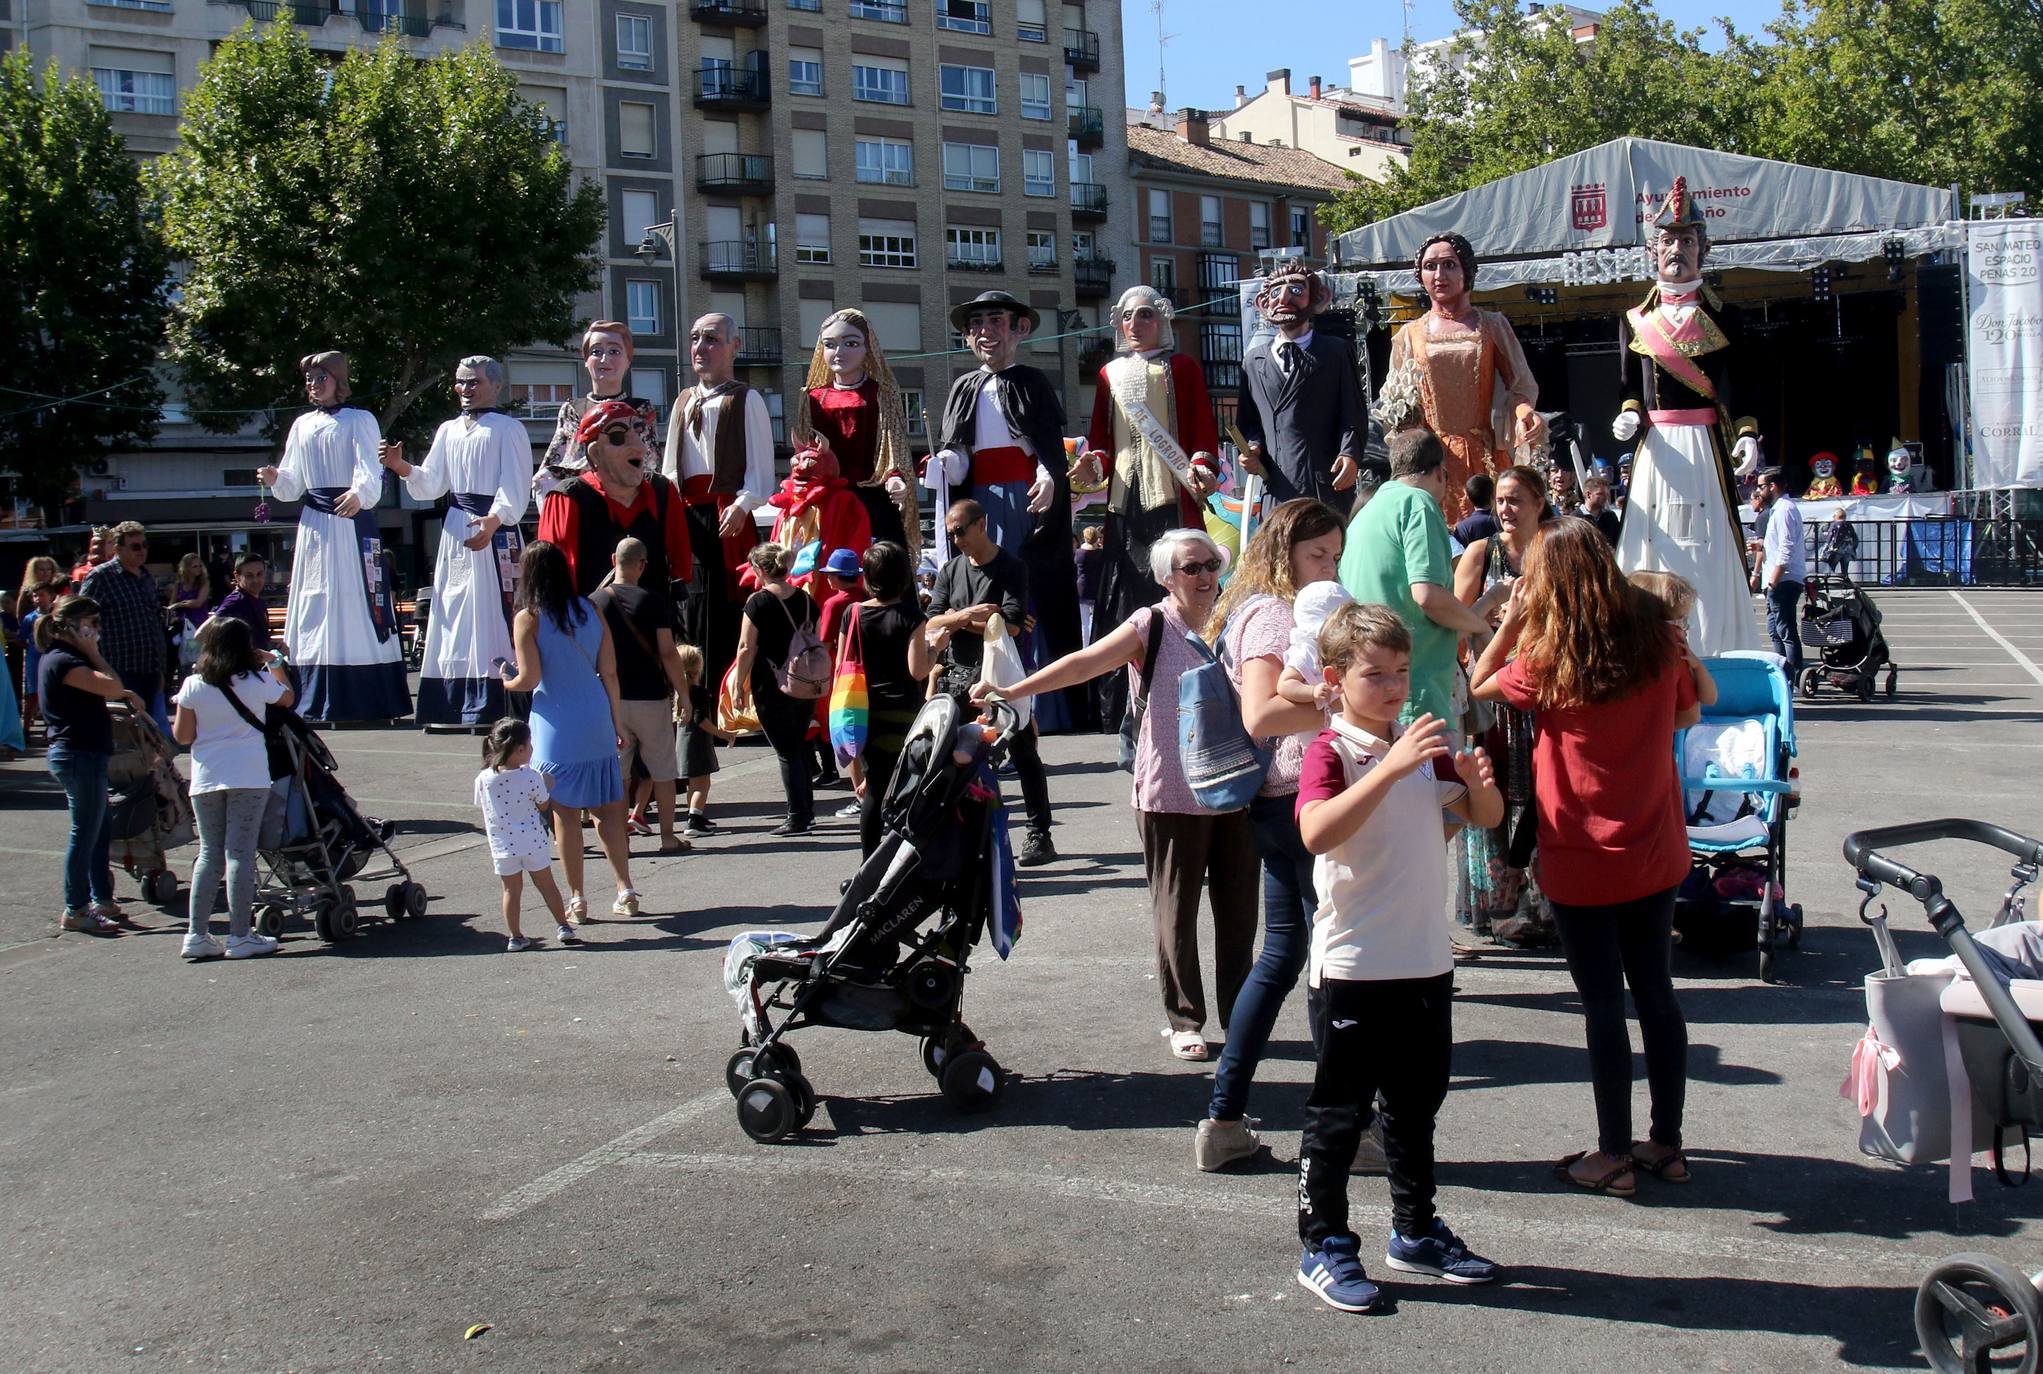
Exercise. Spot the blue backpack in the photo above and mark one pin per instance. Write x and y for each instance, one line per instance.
(1223, 765)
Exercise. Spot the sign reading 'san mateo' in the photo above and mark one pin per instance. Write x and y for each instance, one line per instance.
(2004, 353)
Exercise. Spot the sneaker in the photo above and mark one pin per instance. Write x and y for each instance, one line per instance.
(566, 935)
(90, 922)
(110, 911)
(791, 826)
(626, 903)
(250, 945)
(1438, 1252)
(1036, 851)
(202, 947)
(850, 811)
(1222, 1143)
(699, 826)
(1334, 1272)
(518, 944)
(1369, 1154)
(637, 826)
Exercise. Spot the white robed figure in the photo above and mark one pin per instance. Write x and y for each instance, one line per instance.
(340, 626)
(483, 461)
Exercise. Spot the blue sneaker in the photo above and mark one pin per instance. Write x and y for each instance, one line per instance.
(1440, 1253)
(1334, 1272)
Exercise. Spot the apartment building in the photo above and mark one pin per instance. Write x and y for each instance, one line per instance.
(1210, 209)
(1349, 128)
(900, 156)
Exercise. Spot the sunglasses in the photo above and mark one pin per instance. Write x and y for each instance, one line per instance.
(1210, 565)
(955, 530)
(617, 435)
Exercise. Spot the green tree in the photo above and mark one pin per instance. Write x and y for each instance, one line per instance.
(406, 212)
(81, 284)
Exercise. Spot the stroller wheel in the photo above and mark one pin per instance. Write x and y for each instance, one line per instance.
(766, 1110)
(972, 1080)
(738, 1071)
(778, 1060)
(393, 901)
(415, 900)
(1812, 678)
(1890, 684)
(1866, 687)
(932, 1056)
(1795, 926)
(269, 920)
(1766, 964)
(804, 1094)
(160, 887)
(1976, 1312)
(337, 920)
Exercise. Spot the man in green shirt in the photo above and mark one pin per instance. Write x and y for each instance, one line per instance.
(1397, 555)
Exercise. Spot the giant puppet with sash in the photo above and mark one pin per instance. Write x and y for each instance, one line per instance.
(1682, 516)
(1152, 440)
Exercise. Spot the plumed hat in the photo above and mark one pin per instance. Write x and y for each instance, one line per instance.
(1679, 211)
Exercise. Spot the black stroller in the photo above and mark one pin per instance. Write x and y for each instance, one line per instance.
(315, 841)
(894, 954)
(1841, 622)
(1973, 1312)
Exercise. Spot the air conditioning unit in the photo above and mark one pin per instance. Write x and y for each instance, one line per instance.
(100, 467)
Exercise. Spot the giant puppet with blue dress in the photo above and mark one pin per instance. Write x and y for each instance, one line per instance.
(482, 462)
(340, 626)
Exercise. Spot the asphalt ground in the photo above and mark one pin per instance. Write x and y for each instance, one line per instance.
(343, 1157)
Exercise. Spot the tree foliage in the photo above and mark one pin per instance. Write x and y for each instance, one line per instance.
(406, 212)
(81, 283)
(1932, 91)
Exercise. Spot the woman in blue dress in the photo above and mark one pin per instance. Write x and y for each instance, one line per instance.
(565, 659)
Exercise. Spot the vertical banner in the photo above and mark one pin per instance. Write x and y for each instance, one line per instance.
(2004, 351)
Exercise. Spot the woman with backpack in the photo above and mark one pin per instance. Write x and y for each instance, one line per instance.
(782, 669)
(565, 659)
(1185, 846)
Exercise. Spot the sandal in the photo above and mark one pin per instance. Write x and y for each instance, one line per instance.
(1675, 1160)
(1607, 1182)
(1189, 1045)
(577, 909)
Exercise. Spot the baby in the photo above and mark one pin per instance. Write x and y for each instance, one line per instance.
(1302, 683)
(1676, 595)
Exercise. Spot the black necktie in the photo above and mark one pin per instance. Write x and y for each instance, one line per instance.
(1293, 356)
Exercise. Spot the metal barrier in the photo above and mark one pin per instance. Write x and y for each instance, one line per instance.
(1937, 552)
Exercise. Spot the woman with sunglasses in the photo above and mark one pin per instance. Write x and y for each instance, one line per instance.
(1185, 847)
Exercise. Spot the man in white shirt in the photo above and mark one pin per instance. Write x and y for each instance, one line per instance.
(1783, 567)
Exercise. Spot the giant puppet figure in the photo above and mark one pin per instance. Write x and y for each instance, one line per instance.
(618, 494)
(1153, 440)
(1475, 389)
(341, 624)
(1002, 443)
(606, 357)
(1680, 517)
(852, 404)
(1306, 430)
(816, 513)
(720, 455)
(483, 462)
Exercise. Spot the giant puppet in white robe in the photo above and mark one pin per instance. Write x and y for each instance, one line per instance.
(340, 625)
(482, 461)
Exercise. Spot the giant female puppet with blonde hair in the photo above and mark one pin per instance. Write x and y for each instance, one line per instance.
(851, 405)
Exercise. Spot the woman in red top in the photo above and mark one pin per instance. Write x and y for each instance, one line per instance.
(1608, 682)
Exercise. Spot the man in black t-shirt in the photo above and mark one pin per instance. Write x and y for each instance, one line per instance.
(648, 675)
(981, 582)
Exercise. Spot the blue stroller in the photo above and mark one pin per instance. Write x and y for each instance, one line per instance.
(1738, 790)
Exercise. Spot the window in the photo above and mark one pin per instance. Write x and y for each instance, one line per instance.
(1035, 95)
(973, 249)
(813, 313)
(635, 42)
(804, 71)
(650, 384)
(816, 5)
(1159, 217)
(159, 7)
(1029, 24)
(1039, 172)
(124, 90)
(637, 210)
(551, 101)
(1259, 224)
(887, 160)
(635, 129)
(911, 402)
(1301, 228)
(1218, 274)
(886, 11)
(884, 84)
(642, 306)
(811, 154)
(812, 238)
(1163, 274)
(1210, 232)
(1220, 351)
(971, 167)
(886, 243)
(1042, 250)
(1082, 245)
(532, 24)
(968, 88)
(538, 389)
(966, 16)
(898, 322)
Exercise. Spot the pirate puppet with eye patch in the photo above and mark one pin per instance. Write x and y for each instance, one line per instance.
(618, 495)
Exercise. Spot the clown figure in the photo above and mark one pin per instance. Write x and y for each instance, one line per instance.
(1906, 476)
(818, 513)
(1865, 474)
(1824, 485)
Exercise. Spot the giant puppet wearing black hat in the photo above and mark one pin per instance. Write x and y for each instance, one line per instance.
(1681, 516)
(1002, 444)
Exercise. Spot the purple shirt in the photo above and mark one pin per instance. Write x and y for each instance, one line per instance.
(250, 611)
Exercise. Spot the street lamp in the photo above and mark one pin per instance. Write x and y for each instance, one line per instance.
(660, 241)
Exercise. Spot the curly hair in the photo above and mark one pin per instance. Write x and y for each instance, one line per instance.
(1589, 636)
(1462, 250)
(1265, 565)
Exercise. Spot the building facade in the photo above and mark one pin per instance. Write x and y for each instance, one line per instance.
(1344, 127)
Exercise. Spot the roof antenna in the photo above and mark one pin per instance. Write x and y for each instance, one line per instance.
(1156, 8)
(1408, 22)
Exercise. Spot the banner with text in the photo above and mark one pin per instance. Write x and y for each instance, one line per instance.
(2004, 350)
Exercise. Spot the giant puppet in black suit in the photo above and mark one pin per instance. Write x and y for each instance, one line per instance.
(1305, 424)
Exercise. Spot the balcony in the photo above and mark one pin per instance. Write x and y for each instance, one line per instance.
(882, 11)
(739, 260)
(1092, 276)
(1088, 126)
(731, 88)
(1088, 200)
(1159, 229)
(1094, 356)
(758, 347)
(967, 262)
(310, 15)
(410, 25)
(1041, 266)
(1212, 235)
(734, 174)
(1082, 49)
(744, 14)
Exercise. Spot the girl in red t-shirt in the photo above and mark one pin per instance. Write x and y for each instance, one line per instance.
(1608, 682)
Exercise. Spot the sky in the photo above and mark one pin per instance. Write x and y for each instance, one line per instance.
(1213, 47)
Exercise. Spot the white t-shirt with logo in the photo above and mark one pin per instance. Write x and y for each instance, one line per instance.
(228, 751)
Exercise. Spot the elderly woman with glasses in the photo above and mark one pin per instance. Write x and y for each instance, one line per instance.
(1185, 847)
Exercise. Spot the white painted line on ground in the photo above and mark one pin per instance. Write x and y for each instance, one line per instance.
(520, 1200)
(2027, 664)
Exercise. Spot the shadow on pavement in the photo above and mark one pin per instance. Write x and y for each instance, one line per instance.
(1075, 1099)
(1513, 1063)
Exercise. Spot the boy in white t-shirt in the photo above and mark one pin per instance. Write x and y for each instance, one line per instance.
(1375, 806)
(513, 798)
